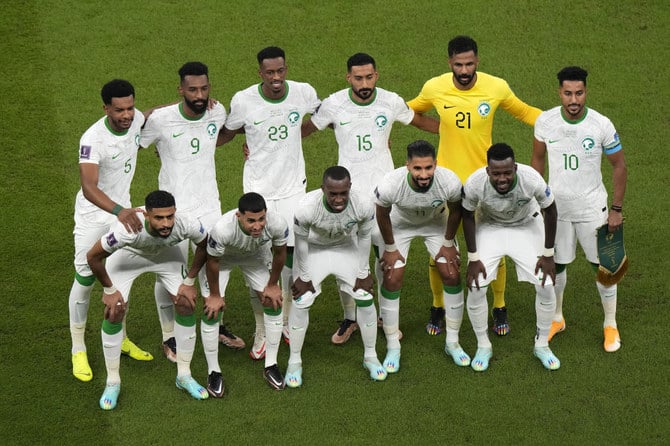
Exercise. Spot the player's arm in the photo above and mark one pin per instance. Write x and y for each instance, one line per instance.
(272, 292)
(187, 288)
(226, 135)
(520, 110)
(364, 279)
(619, 178)
(307, 128)
(391, 255)
(115, 306)
(546, 260)
(475, 266)
(427, 123)
(448, 250)
(302, 282)
(88, 173)
(539, 157)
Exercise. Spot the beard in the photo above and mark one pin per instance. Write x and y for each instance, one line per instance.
(198, 107)
(363, 93)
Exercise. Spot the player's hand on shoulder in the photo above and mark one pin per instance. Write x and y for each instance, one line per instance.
(129, 218)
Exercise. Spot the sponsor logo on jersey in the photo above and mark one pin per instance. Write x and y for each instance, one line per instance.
(259, 122)
(588, 144)
(484, 108)
(177, 135)
(211, 130)
(345, 122)
(116, 155)
(446, 107)
(85, 152)
(111, 240)
(294, 118)
(381, 121)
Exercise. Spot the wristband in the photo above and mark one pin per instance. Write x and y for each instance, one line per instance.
(448, 243)
(548, 252)
(473, 257)
(109, 289)
(616, 208)
(390, 248)
(189, 281)
(117, 209)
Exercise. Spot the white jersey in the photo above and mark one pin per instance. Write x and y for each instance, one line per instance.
(276, 166)
(323, 227)
(575, 151)
(228, 238)
(411, 207)
(115, 153)
(144, 244)
(362, 132)
(517, 207)
(186, 148)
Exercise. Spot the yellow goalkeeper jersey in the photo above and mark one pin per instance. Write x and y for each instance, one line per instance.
(466, 118)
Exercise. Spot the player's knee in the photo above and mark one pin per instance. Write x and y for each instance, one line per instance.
(118, 315)
(183, 307)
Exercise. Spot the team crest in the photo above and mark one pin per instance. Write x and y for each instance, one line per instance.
(294, 118)
(381, 121)
(588, 144)
(137, 140)
(211, 130)
(484, 108)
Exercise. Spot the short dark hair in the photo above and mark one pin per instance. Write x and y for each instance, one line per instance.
(420, 149)
(251, 202)
(337, 173)
(116, 88)
(193, 69)
(359, 59)
(572, 74)
(499, 152)
(271, 52)
(158, 199)
(461, 44)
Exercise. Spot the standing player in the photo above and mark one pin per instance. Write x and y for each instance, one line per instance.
(362, 117)
(270, 115)
(466, 101)
(412, 202)
(576, 137)
(506, 197)
(154, 249)
(332, 236)
(255, 240)
(107, 158)
(185, 135)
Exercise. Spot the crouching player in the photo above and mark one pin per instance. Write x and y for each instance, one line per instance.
(333, 228)
(151, 250)
(255, 240)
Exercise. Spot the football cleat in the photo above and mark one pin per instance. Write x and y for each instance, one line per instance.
(170, 349)
(192, 387)
(110, 396)
(612, 340)
(547, 357)
(129, 348)
(481, 360)
(293, 376)
(227, 338)
(342, 335)
(215, 385)
(274, 377)
(80, 368)
(500, 324)
(457, 354)
(375, 368)
(436, 323)
(556, 327)
(258, 349)
(392, 360)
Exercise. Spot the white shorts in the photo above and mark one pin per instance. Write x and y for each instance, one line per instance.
(255, 269)
(432, 235)
(524, 244)
(286, 208)
(125, 266)
(567, 235)
(86, 233)
(340, 261)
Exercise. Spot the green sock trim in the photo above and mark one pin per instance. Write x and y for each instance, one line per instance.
(84, 280)
(364, 303)
(594, 267)
(560, 267)
(185, 321)
(452, 289)
(111, 328)
(212, 321)
(271, 311)
(390, 294)
(289, 257)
